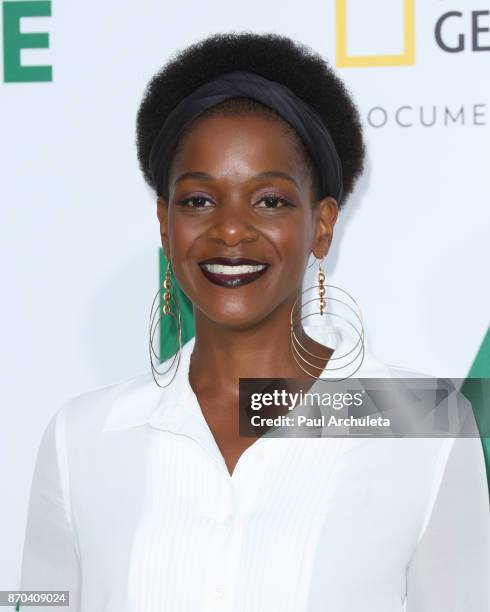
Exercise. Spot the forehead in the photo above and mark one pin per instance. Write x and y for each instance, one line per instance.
(238, 144)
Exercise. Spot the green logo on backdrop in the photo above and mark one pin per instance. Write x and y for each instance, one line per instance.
(168, 328)
(14, 41)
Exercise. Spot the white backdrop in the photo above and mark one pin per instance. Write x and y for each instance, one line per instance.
(79, 234)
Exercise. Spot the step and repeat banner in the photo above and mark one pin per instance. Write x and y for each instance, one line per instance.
(79, 234)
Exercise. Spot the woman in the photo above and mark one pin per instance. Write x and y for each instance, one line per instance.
(145, 497)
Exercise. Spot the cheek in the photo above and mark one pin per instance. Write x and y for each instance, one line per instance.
(293, 242)
(181, 235)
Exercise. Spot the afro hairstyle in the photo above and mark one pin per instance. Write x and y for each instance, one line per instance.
(274, 57)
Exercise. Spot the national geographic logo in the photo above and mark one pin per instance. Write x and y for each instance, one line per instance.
(407, 57)
(453, 31)
(15, 40)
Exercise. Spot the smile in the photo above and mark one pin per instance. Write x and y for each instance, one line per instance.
(232, 272)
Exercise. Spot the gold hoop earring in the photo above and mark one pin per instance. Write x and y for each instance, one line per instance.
(358, 327)
(167, 307)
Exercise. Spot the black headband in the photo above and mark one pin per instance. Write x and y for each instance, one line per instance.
(300, 115)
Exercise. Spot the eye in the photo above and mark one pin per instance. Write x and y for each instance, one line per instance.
(195, 202)
(273, 201)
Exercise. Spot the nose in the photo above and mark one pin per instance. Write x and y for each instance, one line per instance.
(232, 226)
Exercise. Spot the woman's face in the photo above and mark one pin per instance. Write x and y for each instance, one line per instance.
(238, 189)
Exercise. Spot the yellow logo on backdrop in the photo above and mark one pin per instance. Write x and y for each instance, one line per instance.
(406, 58)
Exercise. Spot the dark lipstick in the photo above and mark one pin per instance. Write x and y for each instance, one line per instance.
(231, 278)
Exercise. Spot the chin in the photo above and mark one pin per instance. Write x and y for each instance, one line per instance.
(234, 316)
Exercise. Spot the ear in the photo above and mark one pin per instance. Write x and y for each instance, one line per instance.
(162, 214)
(326, 212)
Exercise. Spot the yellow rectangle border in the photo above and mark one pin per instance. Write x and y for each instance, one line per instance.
(407, 58)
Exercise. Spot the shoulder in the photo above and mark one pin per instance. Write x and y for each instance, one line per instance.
(126, 402)
(123, 405)
(374, 366)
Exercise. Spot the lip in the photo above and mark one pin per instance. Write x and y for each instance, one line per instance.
(232, 280)
(233, 261)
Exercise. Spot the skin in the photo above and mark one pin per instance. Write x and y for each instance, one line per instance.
(243, 331)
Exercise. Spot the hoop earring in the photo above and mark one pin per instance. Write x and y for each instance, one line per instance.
(358, 328)
(170, 308)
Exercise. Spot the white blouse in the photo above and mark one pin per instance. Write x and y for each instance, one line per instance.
(132, 509)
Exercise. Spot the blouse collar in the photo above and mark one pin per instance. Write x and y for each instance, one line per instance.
(175, 408)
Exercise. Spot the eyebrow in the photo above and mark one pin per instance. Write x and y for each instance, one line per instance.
(204, 176)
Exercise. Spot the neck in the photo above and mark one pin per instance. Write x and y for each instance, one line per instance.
(223, 354)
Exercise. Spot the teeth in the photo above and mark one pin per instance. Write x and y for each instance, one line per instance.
(243, 269)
